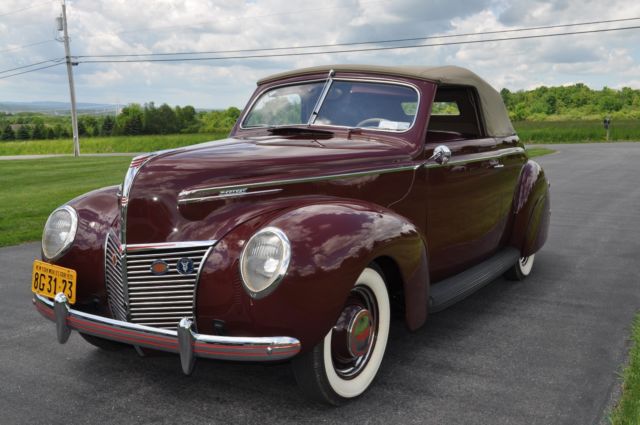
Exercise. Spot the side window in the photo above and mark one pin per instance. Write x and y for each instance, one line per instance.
(445, 108)
(454, 114)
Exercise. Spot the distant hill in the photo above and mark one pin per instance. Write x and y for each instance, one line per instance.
(57, 108)
(64, 108)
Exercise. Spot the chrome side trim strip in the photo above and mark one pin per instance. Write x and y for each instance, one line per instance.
(207, 190)
(190, 345)
(227, 195)
(479, 158)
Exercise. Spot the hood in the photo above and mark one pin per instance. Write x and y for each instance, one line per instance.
(155, 215)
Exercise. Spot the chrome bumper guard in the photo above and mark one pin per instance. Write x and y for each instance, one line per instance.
(185, 342)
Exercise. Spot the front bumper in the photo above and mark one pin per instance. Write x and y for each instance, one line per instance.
(185, 342)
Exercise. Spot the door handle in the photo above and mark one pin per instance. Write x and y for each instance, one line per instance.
(494, 163)
(441, 154)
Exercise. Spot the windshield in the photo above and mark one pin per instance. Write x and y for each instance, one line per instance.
(383, 106)
(288, 105)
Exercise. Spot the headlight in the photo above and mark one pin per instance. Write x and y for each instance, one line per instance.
(59, 232)
(264, 261)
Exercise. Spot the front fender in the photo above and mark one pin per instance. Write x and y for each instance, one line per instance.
(97, 214)
(331, 243)
(531, 209)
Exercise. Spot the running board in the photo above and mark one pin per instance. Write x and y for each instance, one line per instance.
(455, 288)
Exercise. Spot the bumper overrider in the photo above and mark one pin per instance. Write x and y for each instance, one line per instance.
(185, 342)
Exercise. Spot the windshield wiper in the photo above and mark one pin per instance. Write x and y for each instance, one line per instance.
(300, 131)
(323, 94)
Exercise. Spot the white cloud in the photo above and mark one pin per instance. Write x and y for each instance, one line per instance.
(143, 26)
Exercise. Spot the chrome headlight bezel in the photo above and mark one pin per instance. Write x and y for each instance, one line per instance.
(272, 283)
(70, 237)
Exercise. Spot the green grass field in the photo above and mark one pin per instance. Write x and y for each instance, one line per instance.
(627, 412)
(31, 189)
(576, 131)
(107, 144)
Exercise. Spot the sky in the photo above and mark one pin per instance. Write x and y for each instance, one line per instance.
(102, 27)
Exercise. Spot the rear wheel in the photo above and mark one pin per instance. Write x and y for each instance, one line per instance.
(343, 365)
(521, 269)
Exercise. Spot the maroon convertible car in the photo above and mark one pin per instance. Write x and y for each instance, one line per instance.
(343, 194)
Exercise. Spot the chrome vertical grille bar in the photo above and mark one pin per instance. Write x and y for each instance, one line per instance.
(115, 278)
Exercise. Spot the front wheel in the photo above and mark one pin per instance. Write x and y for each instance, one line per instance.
(521, 269)
(343, 365)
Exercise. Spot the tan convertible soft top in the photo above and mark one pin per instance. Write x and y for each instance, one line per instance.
(495, 114)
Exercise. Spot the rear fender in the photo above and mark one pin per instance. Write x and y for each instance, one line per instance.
(331, 243)
(531, 209)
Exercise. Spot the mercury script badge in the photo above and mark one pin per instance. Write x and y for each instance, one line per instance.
(233, 191)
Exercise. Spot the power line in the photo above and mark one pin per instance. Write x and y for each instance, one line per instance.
(369, 49)
(25, 8)
(30, 70)
(26, 45)
(30, 65)
(398, 40)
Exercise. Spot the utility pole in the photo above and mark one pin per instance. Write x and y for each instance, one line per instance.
(62, 26)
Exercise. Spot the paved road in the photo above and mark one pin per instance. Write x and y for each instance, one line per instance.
(545, 351)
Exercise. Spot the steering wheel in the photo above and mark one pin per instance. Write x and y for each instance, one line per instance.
(364, 122)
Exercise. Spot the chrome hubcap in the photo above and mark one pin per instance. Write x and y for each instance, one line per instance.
(353, 337)
(360, 333)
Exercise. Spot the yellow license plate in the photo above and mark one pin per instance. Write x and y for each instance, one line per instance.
(48, 280)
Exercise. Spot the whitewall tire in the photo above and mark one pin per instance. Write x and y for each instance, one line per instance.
(344, 364)
(521, 269)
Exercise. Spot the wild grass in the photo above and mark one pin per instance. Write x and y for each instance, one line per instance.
(107, 144)
(577, 131)
(627, 412)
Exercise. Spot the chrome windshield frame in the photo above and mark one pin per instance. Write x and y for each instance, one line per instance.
(358, 79)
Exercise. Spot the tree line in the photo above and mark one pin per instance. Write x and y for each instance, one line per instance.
(576, 101)
(134, 119)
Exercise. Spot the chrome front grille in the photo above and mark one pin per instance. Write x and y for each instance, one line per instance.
(153, 299)
(114, 277)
